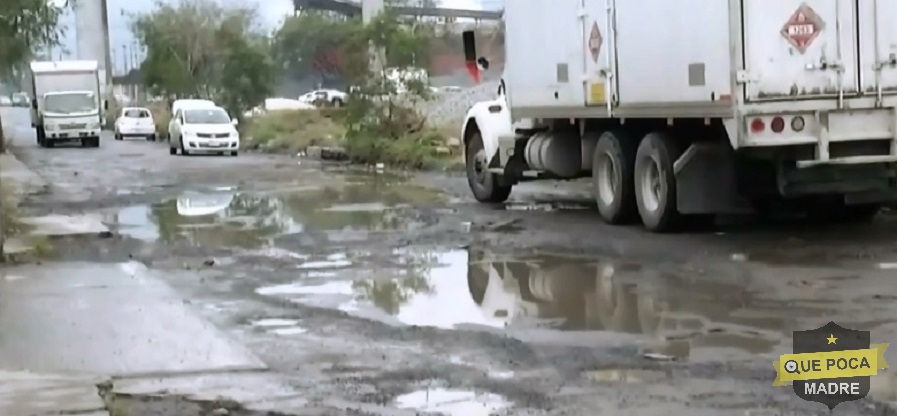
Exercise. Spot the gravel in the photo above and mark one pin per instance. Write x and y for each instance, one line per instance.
(449, 108)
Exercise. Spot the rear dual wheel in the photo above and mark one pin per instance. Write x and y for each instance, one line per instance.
(629, 179)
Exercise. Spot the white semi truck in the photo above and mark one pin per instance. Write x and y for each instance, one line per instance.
(694, 107)
(66, 103)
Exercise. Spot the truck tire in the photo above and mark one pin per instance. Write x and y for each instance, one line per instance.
(485, 185)
(612, 177)
(655, 182)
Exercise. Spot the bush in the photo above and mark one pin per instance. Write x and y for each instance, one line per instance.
(294, 130)
(161, 115)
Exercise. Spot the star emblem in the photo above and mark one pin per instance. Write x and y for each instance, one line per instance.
(831, 339)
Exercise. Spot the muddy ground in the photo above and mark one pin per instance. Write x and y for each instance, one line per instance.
(374, 292)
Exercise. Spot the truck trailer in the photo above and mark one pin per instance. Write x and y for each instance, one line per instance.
(66, 102)
(693, 108)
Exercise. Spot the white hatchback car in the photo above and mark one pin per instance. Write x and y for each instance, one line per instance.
(135, 122)
(203, 130)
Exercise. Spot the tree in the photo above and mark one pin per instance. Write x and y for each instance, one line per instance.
(25, 26)
(312, 43)
(198, 48)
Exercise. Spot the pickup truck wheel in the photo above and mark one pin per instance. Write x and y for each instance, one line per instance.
(655, 182)
(485, 185)
(172, 151)
(612, 177)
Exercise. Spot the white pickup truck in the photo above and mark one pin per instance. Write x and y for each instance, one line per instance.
(66, 104)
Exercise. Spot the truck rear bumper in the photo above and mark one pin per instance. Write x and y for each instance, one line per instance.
(72, 135)
(842, 137)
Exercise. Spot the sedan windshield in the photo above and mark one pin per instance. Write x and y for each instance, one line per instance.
(74, 102)
(206, 116)
(137, 113)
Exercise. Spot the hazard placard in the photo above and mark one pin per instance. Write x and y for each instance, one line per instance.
(595, 40)
(802, 28)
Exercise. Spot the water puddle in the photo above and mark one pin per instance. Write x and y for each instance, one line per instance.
(684, 311)
(452, 402)
(277, 326)
(265, 323)
(547, 206)
(624, 376)
(226, 216)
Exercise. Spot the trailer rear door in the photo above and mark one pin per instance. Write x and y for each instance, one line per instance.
(800, 48)
(878, 45)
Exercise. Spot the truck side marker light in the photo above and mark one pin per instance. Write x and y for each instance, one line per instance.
(777, 125)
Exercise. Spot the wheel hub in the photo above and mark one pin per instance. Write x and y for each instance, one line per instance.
(480, 166)
(652, 188)
(607, 179)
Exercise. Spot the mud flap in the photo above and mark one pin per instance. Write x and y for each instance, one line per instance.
(705, 181)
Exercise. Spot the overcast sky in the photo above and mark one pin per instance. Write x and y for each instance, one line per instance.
(272, 11)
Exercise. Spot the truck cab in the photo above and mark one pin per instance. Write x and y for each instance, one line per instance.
(67, 105)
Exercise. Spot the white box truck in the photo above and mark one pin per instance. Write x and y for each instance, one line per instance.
(66, 104)
(694, 107)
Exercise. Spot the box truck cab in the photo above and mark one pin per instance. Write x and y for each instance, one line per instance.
(693, 108)
(66, 103)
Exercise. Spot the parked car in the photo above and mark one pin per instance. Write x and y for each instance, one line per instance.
(325, 97)
(278, 104)
(203, 130)
(21, 99)
(186, 103)
(135, 122)
(5, 101)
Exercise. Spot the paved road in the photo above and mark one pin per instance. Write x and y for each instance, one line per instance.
(368, 291)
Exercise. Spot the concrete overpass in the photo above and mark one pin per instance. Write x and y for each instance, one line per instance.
(352, 9)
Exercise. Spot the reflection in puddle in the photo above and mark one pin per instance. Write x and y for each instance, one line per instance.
(295, 330)
(225, 216)
(274, 322)
(676, 313)
(452, 402)
(280, 326)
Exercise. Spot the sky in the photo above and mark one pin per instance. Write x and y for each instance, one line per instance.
(272, 13)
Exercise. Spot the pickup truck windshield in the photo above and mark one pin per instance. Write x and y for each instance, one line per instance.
(206, 116)
(67, 103)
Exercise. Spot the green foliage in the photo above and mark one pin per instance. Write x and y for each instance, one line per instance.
(198, 48)
(310, 37)
(25, 26)
(294, 130)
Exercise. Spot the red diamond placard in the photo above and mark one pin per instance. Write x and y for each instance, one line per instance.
(595, 40)
(802, 28)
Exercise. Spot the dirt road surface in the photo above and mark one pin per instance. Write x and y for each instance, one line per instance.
(373, 293)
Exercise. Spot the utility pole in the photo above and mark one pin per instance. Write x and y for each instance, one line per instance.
(370, 9)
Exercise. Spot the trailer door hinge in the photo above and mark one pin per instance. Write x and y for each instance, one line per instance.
(745, 77)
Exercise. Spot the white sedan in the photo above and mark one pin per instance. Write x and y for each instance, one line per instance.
(135, 122)
(203, 130)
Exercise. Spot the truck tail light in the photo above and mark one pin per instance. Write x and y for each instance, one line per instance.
(777, 125)
(757, 125)
(797, 123)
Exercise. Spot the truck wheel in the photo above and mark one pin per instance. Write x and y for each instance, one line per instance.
(612, 176)
(41, 136)
(655, 182)
(485, 185)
